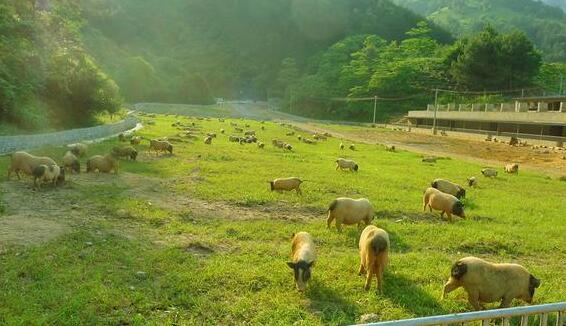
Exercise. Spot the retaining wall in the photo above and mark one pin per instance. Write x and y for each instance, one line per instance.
(9, 144)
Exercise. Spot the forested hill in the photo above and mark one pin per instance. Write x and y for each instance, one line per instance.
(556, 3)
(543, 23)
(193, 50)
(47, 79)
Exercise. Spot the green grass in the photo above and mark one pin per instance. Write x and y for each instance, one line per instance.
(225, 269)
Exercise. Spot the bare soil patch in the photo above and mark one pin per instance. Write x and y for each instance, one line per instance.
(488, 153)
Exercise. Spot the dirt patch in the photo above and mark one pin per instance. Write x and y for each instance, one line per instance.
(487, 153)
(29, 230)
(198, 249)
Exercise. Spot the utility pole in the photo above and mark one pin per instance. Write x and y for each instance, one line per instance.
(435, 109)
(374, 107)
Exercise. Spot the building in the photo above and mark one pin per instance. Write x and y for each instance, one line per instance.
(542, 118)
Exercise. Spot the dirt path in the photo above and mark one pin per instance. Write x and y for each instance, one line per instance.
(548, 161)
(36, 217)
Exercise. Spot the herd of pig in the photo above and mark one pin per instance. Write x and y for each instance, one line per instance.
(483, 281)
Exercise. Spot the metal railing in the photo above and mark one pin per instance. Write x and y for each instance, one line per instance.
(484, 317)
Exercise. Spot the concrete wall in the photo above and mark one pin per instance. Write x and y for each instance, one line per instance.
(519, 117)
(9, 144)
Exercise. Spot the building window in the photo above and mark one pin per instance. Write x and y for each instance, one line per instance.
(554, 106)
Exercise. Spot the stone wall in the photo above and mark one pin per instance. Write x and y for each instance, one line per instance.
(9, 144)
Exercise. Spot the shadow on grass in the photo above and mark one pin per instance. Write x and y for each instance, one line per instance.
(330, 305)
(407, 294)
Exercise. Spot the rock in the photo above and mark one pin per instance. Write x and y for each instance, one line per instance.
(369, 318)
(132, 288)
(88, 243)
(141, 275)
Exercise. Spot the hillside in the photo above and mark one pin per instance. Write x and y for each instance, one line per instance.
(47, 79)
(195, 50)
(556, 3)
(545, 25)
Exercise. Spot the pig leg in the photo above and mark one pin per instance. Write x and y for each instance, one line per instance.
(379, 276)
(339, 225)
(329, 219)
(362, 270)
(369, 273)
(506, 302)
(473, 299)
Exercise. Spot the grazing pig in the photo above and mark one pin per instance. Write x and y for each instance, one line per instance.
(429, 160)
(126, 151)
(136, 140)
(446, 203)
(26, 163)
(390, 148)
(103, 164)
(70, 161)
(222, 131)
(489, 172)
(286, 184)
(303, 257)
(48, 174)
(234, 139)
(349, 211)
(290, 133)
(288, 147)
(486, 282)
(278, 143)
(512, 168)
(448, 187)
(160, 146)
(260, 145)
(374, 255)
(472, 182)
(79, 149)
(208, 140)
(249, 133)
(341, 146)
(344, 164)
(352, 147)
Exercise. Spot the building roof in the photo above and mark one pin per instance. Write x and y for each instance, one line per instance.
(546, 98)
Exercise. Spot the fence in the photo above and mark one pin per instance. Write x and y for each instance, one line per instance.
(10, 144)
(543, 311)
(560, 141)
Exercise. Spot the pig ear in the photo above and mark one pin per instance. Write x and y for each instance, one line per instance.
(291, 265)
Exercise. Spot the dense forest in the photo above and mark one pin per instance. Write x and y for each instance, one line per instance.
(194, 50)
(46, 76)
(556, 3)
(361, 67)
(63, 61)
(544, 24)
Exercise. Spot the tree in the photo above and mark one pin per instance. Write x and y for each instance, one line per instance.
(493, 61)
(288, 75)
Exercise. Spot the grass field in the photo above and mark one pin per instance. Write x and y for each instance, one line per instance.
(198, 238)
